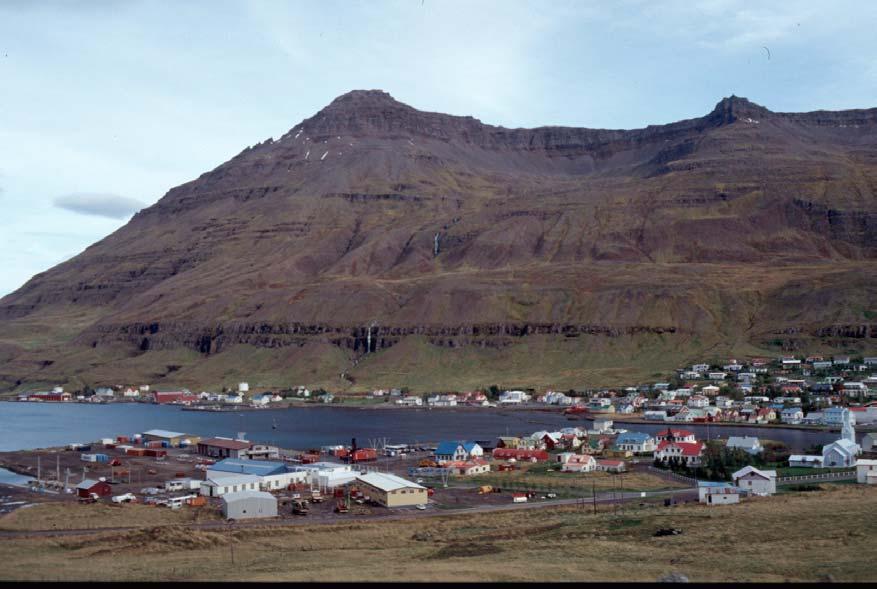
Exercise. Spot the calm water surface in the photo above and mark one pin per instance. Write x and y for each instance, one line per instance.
(41, 425)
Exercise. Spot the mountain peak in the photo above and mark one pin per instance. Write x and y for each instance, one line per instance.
(733, 107)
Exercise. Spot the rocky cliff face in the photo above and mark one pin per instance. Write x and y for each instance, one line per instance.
(467, 236)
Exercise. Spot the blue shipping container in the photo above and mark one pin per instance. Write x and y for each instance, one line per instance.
(102, 457)
(165, 444)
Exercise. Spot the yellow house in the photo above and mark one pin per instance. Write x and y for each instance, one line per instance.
(392, 491)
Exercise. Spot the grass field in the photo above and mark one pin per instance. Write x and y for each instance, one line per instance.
(801, 537)
(539, 476)
(77, 516)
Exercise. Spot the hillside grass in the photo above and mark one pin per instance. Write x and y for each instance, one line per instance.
(800, 537)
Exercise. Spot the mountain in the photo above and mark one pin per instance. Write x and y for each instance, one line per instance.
(553, 256)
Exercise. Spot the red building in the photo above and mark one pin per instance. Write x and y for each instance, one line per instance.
(50, 397)
(89, 486)
(509, 453)
(174, 397)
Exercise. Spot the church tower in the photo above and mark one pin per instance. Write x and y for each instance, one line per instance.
(848, 432)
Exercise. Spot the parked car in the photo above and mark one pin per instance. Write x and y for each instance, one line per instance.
(125, 498)
(421, 507)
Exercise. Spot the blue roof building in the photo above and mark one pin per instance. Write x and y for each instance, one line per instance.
(260, 468)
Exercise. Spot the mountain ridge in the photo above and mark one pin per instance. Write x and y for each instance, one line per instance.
(467, 241)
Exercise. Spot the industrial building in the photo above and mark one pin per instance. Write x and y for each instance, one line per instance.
(223, 483)
(392, 491)
(249, 505)
(223, 448)
(172, 438)
(271, 475)
(327, 475)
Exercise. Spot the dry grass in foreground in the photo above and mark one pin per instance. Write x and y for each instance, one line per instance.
(78, 516)
(801, 537)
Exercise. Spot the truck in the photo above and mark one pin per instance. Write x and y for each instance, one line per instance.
(300, 507)
(341, 507)
(316, 496)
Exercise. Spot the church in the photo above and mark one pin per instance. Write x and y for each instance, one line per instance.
(842, 452)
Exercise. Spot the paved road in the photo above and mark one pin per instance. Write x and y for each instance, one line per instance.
(333, 518)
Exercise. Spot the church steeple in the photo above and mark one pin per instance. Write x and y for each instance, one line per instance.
(848, 432)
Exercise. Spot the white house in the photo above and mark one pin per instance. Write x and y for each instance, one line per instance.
(513, 397)
(717, 375)
(869, 442)
(410, 401)
(808, 461)
(698, 401)
(792, 415)
(747, 443)
(839, 454)
(712, 493)
(866, 472)
(756, 481)
(576, 462)
(710, 390)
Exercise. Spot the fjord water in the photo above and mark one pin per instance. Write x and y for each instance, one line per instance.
(43, 425)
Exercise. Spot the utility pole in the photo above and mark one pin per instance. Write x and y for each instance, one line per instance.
(594, 494)
(621, 482)
(66, 479)
(57, 468)
(39, 470)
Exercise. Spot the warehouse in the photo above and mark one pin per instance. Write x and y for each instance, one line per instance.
(222, 483)
(162, 435)
(327, 475)
(223, 448)
(89, 486)
(272, 475)
(249, 505)
(392, 491)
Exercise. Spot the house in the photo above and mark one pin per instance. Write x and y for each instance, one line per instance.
(222, 483)
(606, 465)
(88, 486)
(249, 505)
(576, 462)
(792, 415)
(442, 401)
(675, 435)
(468, 467)
(822, 365)
(840, 360)
(513, 397)
(698, 401)
(410, 401)
(869, 442)
(223, 448)
(456, 451)
(602, 425)
(710, 390)
(700, 367)
(866, 472)
(162, 435)
(713, 493)
(805, 461)
(508, 442)
(756, 481)
(688, 453)
(749, 444)
(518, 454)
(53, 397)
(717, 375)
(655, 415)
(636, 442)
(390, 490)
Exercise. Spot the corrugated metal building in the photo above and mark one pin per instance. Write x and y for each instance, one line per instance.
(249, 505)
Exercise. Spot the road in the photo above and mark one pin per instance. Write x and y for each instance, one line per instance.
(586, 502)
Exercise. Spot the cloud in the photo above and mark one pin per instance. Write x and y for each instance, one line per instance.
(101, 205)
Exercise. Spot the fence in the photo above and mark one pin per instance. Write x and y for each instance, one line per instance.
(673, 475)
(828, 476)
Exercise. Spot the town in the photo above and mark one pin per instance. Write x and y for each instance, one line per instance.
(790, 391)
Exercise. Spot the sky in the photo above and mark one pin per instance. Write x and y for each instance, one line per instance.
(105, 105)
